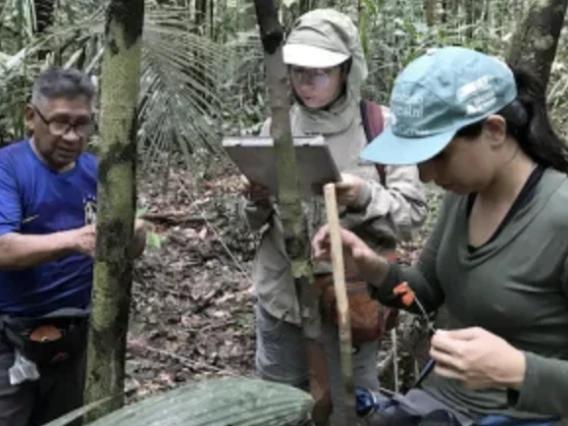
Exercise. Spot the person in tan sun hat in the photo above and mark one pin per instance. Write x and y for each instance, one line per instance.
(382, 205)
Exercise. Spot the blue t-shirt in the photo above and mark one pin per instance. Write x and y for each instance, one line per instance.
(37, 200)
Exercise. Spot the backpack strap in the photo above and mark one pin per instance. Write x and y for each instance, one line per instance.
(373, 124)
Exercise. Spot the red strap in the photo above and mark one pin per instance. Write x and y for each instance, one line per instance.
(375, 118)
(373, 121)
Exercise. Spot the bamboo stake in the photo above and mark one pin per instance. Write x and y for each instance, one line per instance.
(344, 320)
(394, 340)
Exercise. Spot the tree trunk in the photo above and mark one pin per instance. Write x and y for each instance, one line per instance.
(536, 39)
(430, 7)
(200, 15)
(474, 12)
(304, 6)
(296, 235)
(44, 10)
(116, 203)
(44, 14)
(445, 11)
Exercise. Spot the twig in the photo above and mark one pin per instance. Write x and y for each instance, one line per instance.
(133, 345)
(174, 218)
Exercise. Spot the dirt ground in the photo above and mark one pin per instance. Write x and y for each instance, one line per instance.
(192, 310)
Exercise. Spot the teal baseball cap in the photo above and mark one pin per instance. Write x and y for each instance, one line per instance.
(434, 97)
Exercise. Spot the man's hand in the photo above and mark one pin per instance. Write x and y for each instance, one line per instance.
(83, 240)
(350, 191)
(477, 358)
(256, 192)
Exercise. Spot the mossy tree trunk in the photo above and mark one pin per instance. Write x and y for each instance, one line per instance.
(297, 238)
(116, 204)
(536, 39)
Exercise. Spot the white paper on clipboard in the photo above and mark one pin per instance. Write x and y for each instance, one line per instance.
(255, 158)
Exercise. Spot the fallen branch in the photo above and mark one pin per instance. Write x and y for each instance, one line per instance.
(175, 218)
(135, 347)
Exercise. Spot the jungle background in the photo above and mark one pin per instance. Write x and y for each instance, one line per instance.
(202, 78)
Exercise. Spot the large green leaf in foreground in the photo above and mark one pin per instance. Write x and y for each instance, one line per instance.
(234, 401)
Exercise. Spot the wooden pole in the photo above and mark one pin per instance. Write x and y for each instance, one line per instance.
(344, 319)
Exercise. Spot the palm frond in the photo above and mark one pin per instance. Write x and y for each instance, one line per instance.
(237, 401)
(179, 97)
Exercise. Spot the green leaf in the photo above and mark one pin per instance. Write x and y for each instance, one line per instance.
(75, 414)
(153, 240)
(235, 401)
(141, 211)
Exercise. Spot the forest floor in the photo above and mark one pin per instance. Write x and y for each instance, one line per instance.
(192, 310)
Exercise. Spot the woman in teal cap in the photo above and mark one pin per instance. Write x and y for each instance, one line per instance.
(497, 258)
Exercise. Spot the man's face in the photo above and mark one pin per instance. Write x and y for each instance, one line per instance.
(61, 128)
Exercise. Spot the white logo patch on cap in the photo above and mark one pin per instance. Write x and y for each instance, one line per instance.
(404, 105)
(478, 95)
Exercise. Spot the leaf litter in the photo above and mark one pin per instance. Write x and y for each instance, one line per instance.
(192, 307)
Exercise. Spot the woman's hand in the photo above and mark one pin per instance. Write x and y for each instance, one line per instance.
(256, 192)
(350, 190)
(477, 358)
(359, 259)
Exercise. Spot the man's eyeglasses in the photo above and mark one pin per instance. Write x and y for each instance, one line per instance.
(59, 127)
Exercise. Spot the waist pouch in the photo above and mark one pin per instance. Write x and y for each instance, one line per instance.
(368, 319)
(50, 339)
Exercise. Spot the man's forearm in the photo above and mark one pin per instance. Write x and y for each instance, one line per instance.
(24, 251)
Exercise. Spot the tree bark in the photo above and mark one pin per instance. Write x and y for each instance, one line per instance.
(44, 14)
(44, 10)
(536, 39)
(116, 204)
(430, 9)
(296, 234)
(474, 12)
(200, 14)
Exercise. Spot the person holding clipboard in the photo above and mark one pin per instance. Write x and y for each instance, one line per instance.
(327, 68)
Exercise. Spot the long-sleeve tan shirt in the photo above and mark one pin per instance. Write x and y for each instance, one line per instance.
(384, 215)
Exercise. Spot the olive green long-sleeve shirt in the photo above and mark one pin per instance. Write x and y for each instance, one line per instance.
(515, 286)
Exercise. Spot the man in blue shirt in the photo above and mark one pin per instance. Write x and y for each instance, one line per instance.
(48, 189)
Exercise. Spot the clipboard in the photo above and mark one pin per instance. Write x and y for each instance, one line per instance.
(255, 158)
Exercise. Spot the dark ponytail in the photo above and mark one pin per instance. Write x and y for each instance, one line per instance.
(528, 123)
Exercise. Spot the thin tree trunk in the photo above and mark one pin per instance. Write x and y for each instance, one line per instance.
(295, 230)
(304, 6)
(116, 202)
(200, 15)
(445, 11)
(536, 39)
(474, 12)
(44, 10)
(430, 7)
(44, 14)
